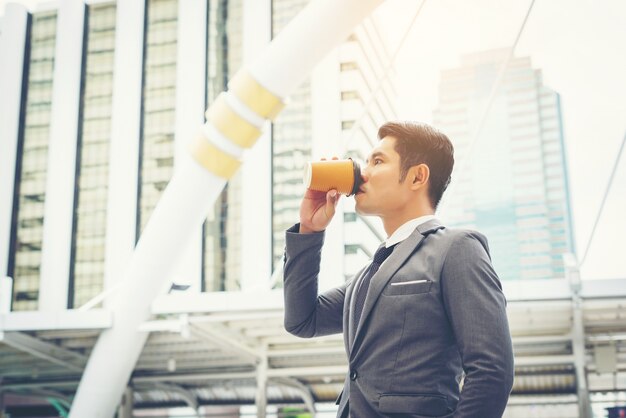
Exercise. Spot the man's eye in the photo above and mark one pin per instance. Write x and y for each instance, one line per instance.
(377, 161)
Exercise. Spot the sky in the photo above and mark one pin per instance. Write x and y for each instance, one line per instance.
(580, 47)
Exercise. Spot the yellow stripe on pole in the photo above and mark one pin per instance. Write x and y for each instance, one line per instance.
(212, 158)
(230, 124)
(259, 99)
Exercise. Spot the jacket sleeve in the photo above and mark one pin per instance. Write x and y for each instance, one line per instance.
(308, 314)
(476, 308)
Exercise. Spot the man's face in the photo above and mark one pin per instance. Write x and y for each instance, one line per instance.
(382, 193)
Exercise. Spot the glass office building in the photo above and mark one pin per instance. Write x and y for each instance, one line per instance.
(158, 106)
(511, 181)
(32, 160)
(96, 232)
(90, 231)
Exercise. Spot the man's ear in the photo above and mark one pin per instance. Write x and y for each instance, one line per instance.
(419, 175)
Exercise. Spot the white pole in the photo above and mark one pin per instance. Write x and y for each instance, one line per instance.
(61, 169)
(308, 38)
(260, 399)
(234, 122)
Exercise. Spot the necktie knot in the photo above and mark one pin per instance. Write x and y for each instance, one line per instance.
(382, 253)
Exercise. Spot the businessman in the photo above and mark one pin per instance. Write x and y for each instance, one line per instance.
(427, 315)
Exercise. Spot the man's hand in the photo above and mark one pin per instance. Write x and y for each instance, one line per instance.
(317, 210)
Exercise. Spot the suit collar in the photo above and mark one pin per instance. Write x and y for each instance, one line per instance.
(400, 254)
(430, 226)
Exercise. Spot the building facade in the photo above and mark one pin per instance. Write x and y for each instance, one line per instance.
(510, 179)
(104, 96)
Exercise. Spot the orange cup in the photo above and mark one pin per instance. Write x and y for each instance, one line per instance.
(342, 175)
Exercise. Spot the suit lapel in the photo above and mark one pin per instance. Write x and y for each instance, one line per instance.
(397, 258)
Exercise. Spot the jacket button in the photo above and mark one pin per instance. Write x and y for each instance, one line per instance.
(353, 375)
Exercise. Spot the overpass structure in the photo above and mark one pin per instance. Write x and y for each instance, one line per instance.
(230, 348)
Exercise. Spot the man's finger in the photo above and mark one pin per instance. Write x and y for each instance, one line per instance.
(331, 198)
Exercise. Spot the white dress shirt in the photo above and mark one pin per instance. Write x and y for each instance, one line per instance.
(406, 229)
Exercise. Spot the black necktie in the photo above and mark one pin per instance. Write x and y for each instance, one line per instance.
(381, 255)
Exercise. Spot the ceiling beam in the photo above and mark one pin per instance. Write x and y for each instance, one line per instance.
(44, 350)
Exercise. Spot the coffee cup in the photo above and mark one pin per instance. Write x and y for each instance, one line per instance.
(342, 175)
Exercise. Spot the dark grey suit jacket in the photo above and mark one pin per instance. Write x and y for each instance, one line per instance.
(434, 310)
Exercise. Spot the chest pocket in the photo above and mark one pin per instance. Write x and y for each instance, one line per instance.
(401, 286)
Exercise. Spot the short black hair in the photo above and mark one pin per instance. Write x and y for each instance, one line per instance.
(419, 143)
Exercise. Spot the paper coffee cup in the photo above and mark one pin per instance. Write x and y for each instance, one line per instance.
(342, 175)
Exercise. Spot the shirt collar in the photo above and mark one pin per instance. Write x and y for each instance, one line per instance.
(406, 229)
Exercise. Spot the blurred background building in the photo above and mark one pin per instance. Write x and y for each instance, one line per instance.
(512, 184)
(98, 101)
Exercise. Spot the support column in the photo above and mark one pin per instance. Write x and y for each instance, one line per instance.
(572, 273)
(60, 181)
(256, 225)
(190, 90)
(578, 348)
(13, 44)
(125, 133)
(261, 384)
(126, 406)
